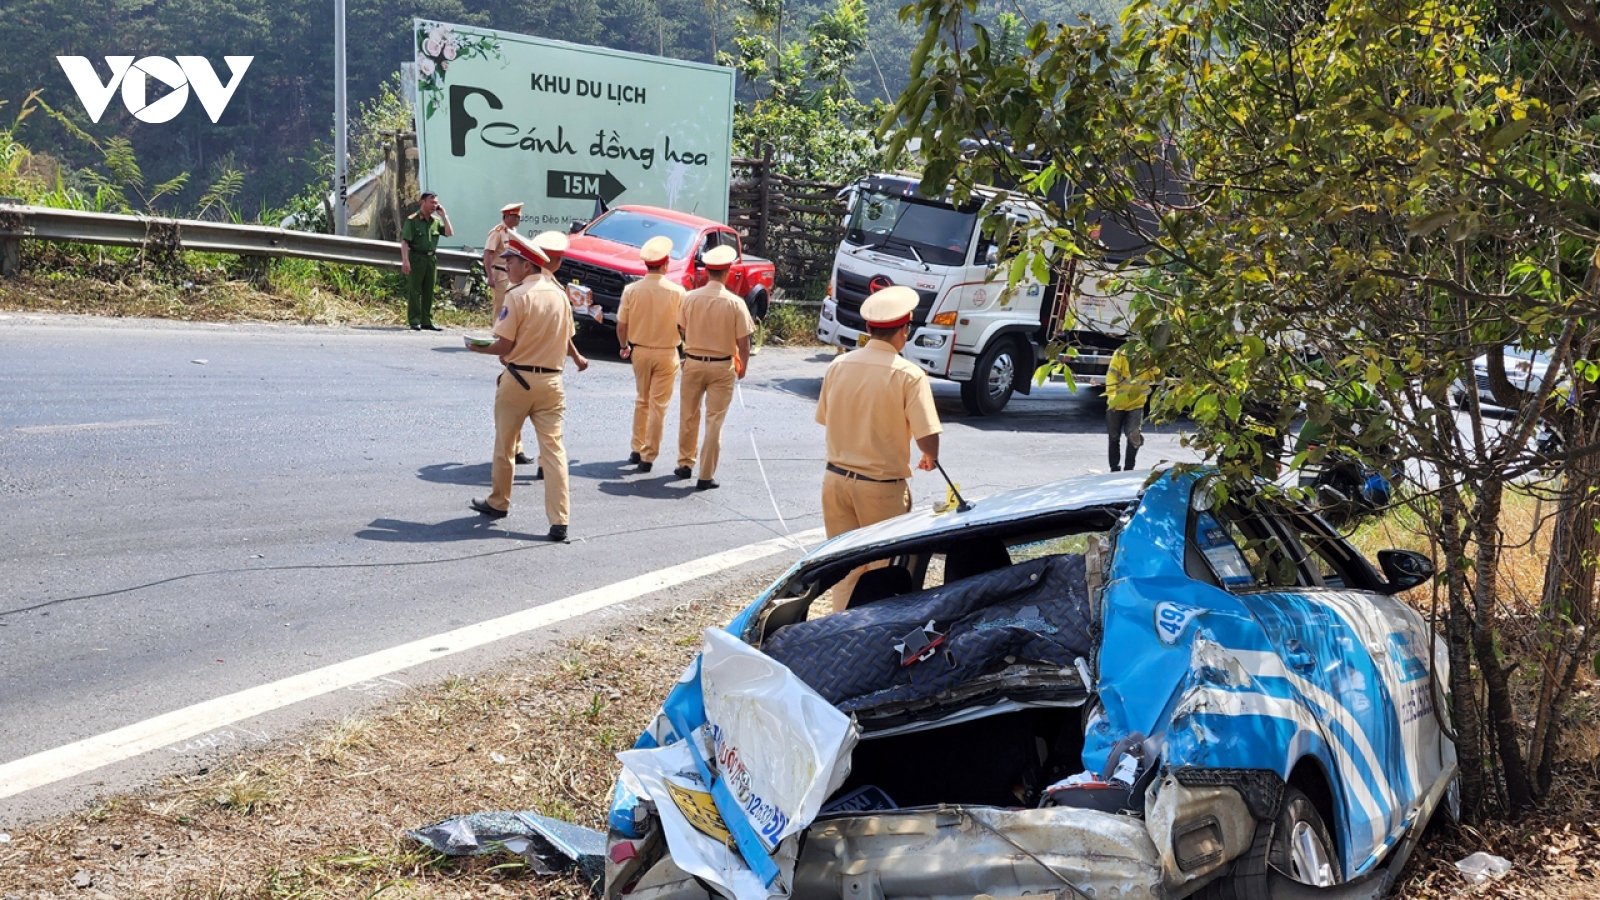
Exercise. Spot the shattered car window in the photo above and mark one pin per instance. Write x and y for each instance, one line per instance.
(1244, 549)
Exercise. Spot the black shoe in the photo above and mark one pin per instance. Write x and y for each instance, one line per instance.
(558, 533)
(706, 484)
(416, 328)
(538, 474)
(633, 459)
(483, 506)
(523, 458)
(644, 467)
(431, 327)
(682, 472)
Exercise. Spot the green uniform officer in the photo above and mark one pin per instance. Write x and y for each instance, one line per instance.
(419, 261)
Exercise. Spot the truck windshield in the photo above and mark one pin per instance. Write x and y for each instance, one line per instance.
(903, 226)
(628, 227)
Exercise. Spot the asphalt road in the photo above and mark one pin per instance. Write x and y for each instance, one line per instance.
(230, 505)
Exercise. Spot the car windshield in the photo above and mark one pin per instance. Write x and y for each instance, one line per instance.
(915, 229)
(632, 228)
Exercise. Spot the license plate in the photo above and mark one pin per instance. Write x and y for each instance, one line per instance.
(861, 340)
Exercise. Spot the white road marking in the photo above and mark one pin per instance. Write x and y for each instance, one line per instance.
(93, 426)
(70, 760)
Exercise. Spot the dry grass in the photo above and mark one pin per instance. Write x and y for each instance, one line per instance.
(294, 292)
(323, 817)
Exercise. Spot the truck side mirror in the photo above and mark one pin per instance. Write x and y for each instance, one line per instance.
(991, 256)
(577, 226)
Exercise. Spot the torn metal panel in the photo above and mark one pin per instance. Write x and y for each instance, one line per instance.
(1197, 830)
(961, 852)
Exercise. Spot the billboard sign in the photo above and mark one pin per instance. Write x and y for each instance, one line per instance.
(505, 117)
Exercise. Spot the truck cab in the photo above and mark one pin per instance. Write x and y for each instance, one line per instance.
(970, 326)
(604, 258)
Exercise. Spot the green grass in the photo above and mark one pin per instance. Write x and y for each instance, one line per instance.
(787, 324)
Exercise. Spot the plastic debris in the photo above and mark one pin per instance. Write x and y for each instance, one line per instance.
(1481, 867)
(4, 838)
(550, 846)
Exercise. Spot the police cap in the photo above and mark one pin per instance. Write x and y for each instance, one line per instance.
(890, 307)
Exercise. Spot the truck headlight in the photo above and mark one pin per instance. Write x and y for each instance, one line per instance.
(930, 341)
(827, 311)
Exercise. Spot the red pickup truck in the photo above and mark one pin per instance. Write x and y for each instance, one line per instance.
(604, 257)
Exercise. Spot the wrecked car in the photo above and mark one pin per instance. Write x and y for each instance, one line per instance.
(1111, 686)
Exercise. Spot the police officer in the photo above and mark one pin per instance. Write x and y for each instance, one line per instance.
(647, 329)
(873, 405)
(553, 244)
(533, 340)
(493, 246)
(716, 328)
(419, 246)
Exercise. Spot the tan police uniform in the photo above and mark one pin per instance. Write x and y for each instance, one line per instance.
(494, 245)
(713, 320)
(538, 318)
(650, 309)
(873, 405)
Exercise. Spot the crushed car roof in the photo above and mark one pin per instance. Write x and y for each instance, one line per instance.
(1067, 495)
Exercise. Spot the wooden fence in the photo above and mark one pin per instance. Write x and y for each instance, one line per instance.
(795, 223)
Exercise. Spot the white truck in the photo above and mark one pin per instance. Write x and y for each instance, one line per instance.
(970, 326)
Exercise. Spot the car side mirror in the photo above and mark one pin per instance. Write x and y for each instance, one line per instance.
(577, 227)
(991, 256)
(1405, 569)
(699, 259)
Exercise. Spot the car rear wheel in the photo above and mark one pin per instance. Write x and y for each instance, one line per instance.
(993, 379)
(1297, 844)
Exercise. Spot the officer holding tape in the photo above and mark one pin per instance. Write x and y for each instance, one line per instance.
(716, 328)
(533, 339)
(647, 329)
(874, 404)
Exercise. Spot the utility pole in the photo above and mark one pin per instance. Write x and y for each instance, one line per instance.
(341, 173)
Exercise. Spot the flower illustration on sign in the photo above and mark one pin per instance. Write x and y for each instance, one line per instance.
(437, 47)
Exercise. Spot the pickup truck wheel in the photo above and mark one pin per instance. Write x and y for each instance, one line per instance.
(757, 301)
(1297, 844)
(993, 379)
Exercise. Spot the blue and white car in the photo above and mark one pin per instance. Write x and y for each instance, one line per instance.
(1110, 686)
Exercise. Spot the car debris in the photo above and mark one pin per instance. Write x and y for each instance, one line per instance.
(1110, 686)
(549, 846)
(1481, 867)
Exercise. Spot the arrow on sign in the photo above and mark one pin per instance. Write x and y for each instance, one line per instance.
(583, 186)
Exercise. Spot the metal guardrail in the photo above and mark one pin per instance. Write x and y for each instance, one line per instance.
(42, 223)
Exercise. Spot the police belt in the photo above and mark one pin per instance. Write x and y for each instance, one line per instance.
(708, 358)
(634, 346)
(516, 372)
(837, 470)
(418, 251)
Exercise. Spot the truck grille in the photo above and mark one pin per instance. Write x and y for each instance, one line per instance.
(606, 284)
(849, 290)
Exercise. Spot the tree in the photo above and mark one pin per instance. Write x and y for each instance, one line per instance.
(1352, 196)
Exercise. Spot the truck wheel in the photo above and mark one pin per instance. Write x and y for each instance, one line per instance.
(1297, 844)
(757, 302)
(993, 379)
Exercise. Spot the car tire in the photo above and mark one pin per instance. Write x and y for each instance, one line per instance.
(757, 302)
(1297, 841)
(993, 378)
